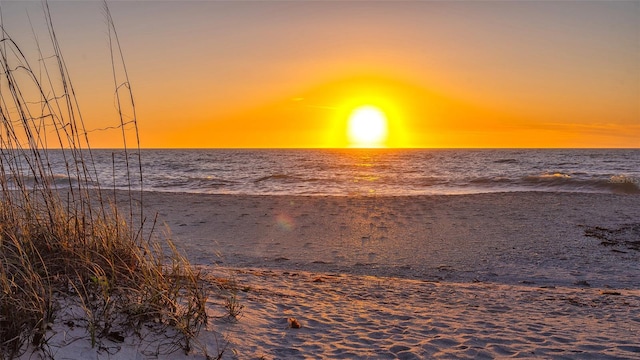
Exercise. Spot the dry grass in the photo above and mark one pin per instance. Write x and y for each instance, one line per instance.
(72, 242)
(231, 301)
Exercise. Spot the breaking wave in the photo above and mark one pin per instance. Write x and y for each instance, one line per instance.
(617, 183)
(378, 172)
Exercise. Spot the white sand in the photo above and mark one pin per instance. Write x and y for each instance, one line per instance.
(347, 317)
(469, 276)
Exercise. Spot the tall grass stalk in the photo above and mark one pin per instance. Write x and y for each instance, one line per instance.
(68, 242)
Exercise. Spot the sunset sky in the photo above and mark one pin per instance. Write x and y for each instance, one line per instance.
(289, 73)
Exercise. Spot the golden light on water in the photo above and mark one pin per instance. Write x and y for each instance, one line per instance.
(367, 127)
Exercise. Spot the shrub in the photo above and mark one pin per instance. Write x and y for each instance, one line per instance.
(68, 243)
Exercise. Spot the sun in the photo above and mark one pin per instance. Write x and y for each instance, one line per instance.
(367, 127)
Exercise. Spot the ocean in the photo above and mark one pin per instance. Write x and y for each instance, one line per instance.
(388, 172)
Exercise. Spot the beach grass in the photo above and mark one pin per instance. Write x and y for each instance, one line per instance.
(73, 246)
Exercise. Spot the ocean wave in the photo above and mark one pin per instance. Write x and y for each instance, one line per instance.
(616, 184)
(58, 179)
(505, 161)
(341, 172)
(558, 181)
(624, 188)
(623, 179)
(277, 177)
(547, 177)
(499, 180)
(625, 184)
(431, 181)
(189, 182)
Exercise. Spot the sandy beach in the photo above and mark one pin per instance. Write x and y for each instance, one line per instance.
(348, 180)
(507, 238)
(534, 275)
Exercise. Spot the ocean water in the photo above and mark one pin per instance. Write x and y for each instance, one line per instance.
(368, 171)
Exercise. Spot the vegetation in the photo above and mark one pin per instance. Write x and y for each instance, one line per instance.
(64, 240)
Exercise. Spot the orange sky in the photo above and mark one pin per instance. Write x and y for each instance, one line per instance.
(287, 74)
